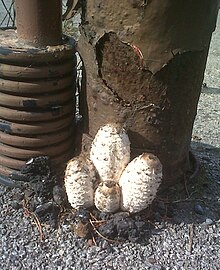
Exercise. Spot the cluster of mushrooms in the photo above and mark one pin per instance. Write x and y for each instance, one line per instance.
(121, 184)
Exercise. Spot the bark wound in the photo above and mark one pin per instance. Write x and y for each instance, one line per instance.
(150, 101)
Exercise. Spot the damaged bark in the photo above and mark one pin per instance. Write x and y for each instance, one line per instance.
(144, 65)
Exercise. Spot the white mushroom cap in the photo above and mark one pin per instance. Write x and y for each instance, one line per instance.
(107, 197)
(79, 181)
(139, 182)
(110, 152)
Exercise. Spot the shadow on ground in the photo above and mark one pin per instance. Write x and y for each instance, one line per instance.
(210, 90)
(198, 200)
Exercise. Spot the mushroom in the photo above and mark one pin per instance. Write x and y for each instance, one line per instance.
(139, 182)
(110, 152)
(107, 197)
(79, 181)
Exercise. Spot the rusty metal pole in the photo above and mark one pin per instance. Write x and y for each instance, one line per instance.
(39, 22)
(37, 90)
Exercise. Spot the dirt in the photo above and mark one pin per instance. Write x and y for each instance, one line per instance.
(40, 192)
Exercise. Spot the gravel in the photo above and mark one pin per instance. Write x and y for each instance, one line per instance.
(188, 240)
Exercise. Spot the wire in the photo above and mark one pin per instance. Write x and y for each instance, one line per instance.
(8, 10)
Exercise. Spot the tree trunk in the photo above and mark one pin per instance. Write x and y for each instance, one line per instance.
(144, 63)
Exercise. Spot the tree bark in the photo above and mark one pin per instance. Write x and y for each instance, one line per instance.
(144, 66)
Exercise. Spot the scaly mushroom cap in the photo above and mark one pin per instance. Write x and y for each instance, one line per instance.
(110, 152)
(79, 181)
(139, 182)
(107, 197)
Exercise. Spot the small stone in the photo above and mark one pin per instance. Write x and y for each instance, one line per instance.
(161, 205)
(1, 191)
(82, 215)
(198, 209)
(151, 260)
(105, 245)
(15, 205)
(140, 225)
(90, 243)
(157, 216)
(48, 213)
(120, 216)
(59, 195)
(80, 229)
(160, 226)
(18, 196)
(209, 221)
(109, 229)
(61, 252)
(104, 216)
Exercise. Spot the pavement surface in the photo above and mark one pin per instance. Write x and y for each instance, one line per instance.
(189, 239)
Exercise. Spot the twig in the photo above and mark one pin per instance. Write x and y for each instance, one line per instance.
(147, 106)
(61, 216)
(92, 216)
(24, 205)
(190, 237)
(151, 223)
(3, 19)
(93, 239)
(102, 236)
(39, 227)
(97, 222)
(158, 198)
(196, 162)
(185, 185)
(35, 218)
(188, 200)
(139, 53)
(73, 211)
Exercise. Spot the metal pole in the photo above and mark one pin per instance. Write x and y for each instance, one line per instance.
(39, 22)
